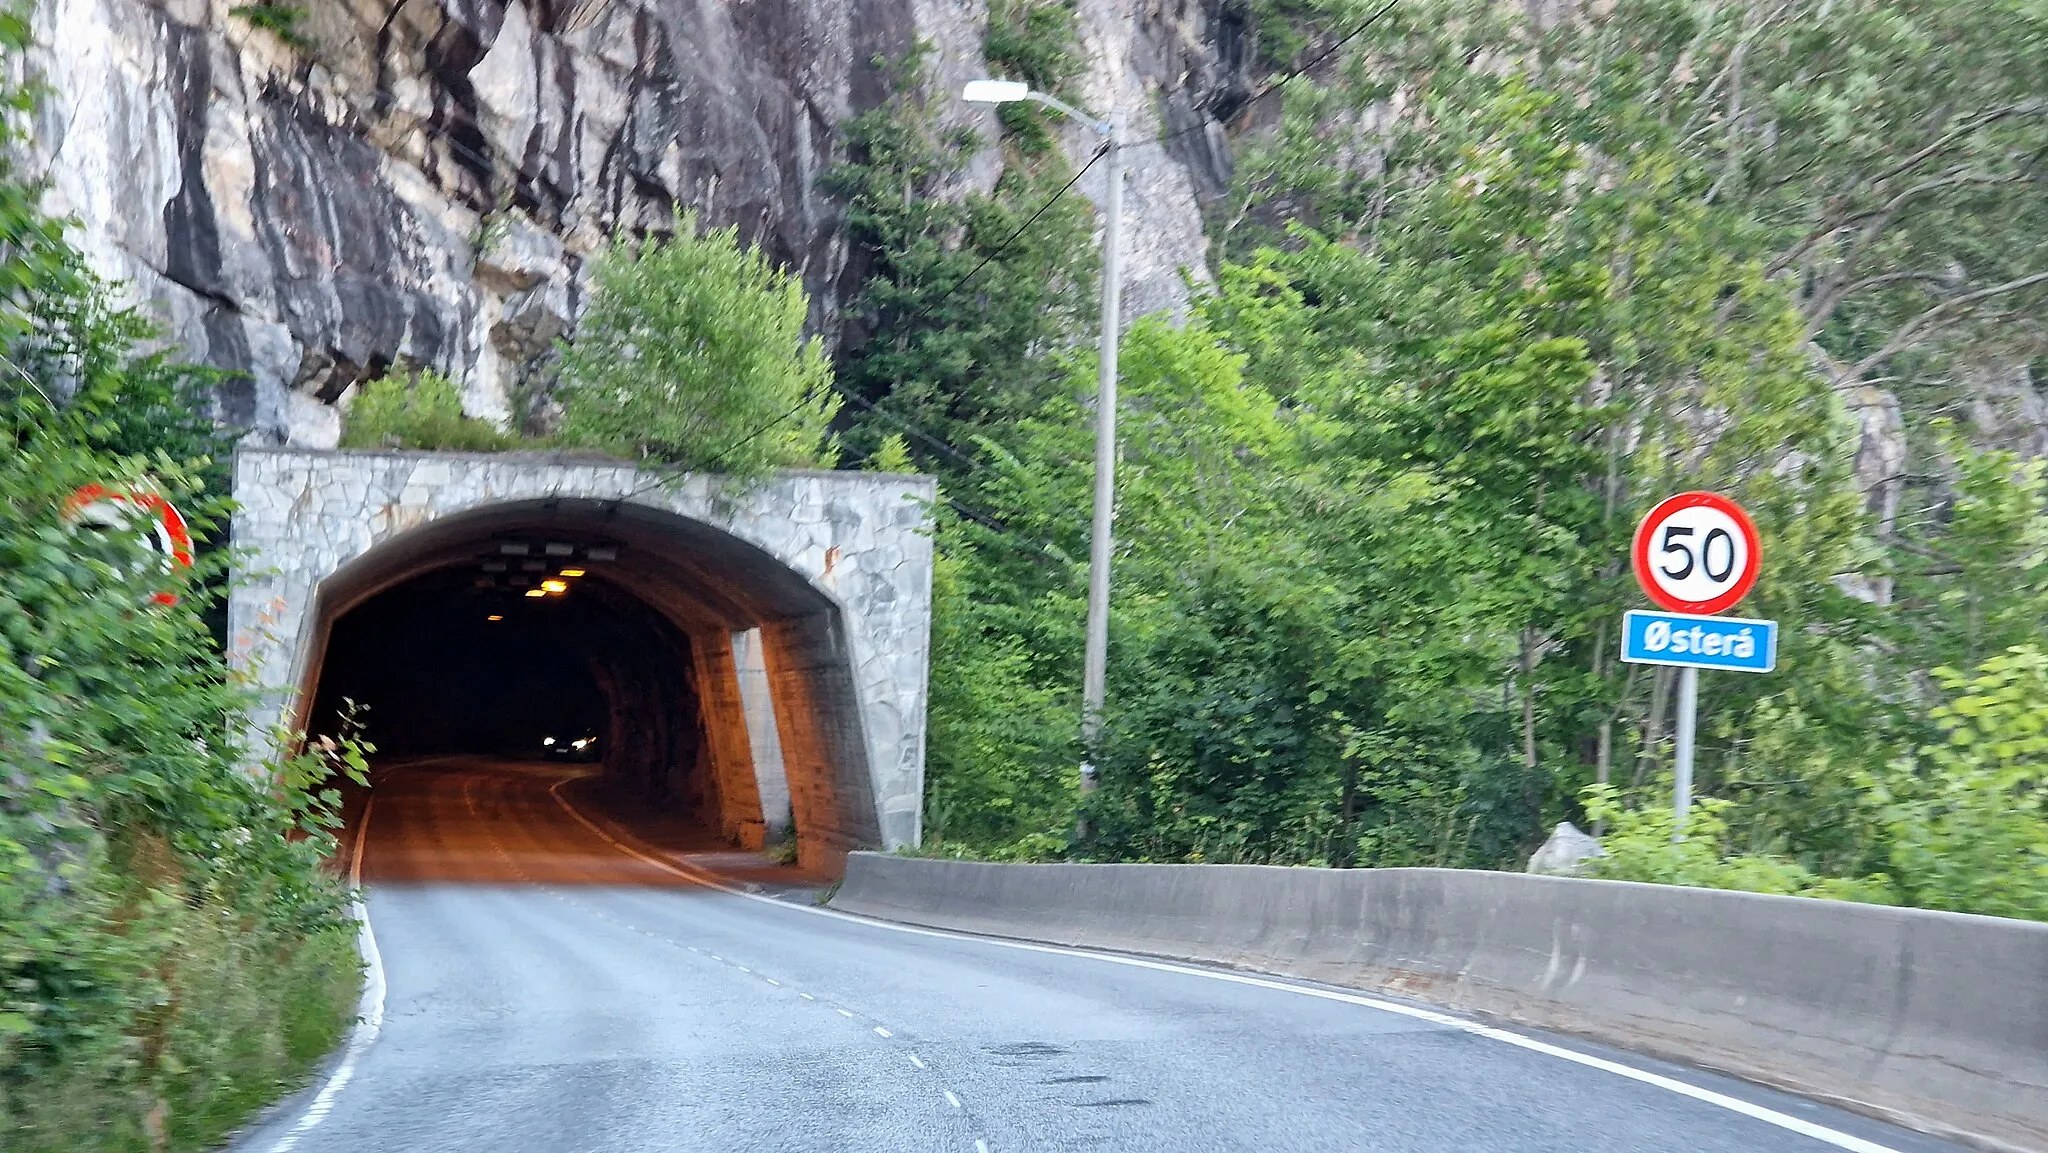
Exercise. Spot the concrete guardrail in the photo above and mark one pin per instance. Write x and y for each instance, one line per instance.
(1935, 1020)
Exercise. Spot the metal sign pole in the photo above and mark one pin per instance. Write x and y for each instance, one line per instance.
(1688, 712)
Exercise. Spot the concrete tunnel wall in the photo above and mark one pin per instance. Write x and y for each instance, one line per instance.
(806, 597)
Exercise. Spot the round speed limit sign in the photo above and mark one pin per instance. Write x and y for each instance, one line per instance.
(1697, 552)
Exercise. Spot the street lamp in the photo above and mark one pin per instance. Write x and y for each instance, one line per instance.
(1110, 129)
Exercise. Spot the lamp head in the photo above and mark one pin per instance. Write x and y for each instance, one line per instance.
(995, 91)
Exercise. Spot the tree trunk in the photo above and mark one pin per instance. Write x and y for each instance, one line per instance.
(1528, 699)
(1653, 725)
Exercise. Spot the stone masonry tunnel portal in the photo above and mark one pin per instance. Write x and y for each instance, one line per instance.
(750, 659)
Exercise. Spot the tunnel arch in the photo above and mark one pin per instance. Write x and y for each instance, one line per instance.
(799, 607)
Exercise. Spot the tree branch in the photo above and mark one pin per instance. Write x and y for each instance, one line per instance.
(1825, 303)
(1919, 324)
(1960, 131)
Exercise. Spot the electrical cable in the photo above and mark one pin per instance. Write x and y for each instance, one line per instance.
(1296, 74)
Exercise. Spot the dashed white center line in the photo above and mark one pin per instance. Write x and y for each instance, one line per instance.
(772, 981)
(915, 1061)
(843, 1013)
(952, 1100)
(807, 996)
(980, 1146)
(715, 957)
(746, 970)
(881, 1032)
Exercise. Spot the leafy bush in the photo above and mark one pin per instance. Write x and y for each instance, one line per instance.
(1645, 844)
(693, 354)
(1960, 824)
(1965, 822)
(172, 951)
(281, 20)
(420, 411)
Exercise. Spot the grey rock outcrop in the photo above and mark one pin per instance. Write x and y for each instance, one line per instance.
(1566, 852)
(425, 179)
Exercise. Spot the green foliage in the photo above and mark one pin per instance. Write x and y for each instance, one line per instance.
(1001, 766)
(281, 20)
(923, 343)
(1647, 844)
(1036, 41)
(418, 410)
(1486, 295)
(1964, 824)
(692, 354)
(1975, 580)
(173, 952)
(1961, 823)
(891, 455)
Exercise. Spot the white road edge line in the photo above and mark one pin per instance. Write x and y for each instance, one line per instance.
(952, 1100)
(1768, 1116)
(369, 1010)
(915, 1061)
(881, 1032)
(980, 1146)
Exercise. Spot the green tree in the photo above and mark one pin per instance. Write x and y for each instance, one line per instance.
(961, 306)
(693, 354)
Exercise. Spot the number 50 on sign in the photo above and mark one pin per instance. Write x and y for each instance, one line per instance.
(1697, 552)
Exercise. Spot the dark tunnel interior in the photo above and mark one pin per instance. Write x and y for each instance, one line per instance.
(455, 663)
(714, 678)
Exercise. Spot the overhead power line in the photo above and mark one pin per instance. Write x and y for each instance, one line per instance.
(1297, 73)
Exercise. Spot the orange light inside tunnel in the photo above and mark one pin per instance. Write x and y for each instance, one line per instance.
(536, 592)
(554, 586)
(495, 617)
(572, 572)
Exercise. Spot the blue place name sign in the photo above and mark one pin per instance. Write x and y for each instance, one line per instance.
(1731, 644)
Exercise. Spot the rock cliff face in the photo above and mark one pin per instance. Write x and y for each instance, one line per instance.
(425, 179)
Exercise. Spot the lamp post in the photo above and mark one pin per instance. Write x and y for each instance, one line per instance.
(1094, 666)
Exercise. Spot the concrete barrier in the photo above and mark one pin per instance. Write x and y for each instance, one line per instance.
(1936, 1020)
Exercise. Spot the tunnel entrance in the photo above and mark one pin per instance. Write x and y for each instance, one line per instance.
(753, 655)
(459, 663)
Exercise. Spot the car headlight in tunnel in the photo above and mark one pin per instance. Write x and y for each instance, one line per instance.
(584, 742)
(548, 741)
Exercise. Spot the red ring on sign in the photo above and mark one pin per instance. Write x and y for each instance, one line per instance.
(170, 524)
(1640, 553)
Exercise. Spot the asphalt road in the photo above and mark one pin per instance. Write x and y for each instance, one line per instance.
(550, 990)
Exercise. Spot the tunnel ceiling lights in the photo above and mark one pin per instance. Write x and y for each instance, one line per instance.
(554, 586)
(562, 553)
(536, 592)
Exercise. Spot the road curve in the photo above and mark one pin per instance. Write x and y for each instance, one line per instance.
(551, 989)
